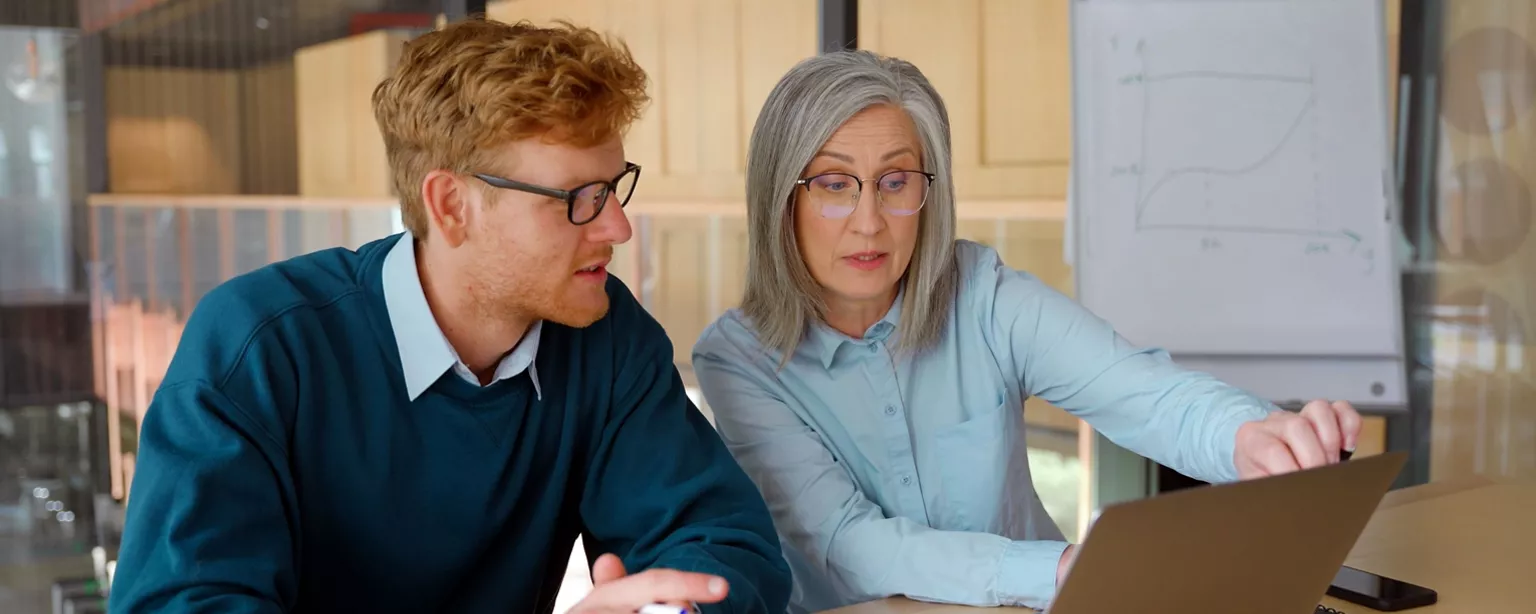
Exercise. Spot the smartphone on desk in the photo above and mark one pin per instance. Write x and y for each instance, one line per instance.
(1379, 592)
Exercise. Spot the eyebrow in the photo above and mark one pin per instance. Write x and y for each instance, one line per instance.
(849, 159)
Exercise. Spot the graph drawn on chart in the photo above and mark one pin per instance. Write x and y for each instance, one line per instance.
(1223, 146)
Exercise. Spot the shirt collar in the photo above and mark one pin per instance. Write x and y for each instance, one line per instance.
(424, 351)
(825, 341)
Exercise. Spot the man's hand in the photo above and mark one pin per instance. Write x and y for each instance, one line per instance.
(614, 591)
(1283, 441)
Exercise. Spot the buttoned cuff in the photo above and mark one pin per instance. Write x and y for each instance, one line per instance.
(1027, 575)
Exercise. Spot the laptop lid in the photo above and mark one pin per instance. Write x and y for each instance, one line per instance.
(1264, 546)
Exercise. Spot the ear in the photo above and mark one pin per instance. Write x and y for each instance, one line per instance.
(447, 200)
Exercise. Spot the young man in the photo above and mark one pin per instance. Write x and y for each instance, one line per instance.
(426, 424)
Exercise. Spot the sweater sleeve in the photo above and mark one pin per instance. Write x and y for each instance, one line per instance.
(207, 529)
(662, 491)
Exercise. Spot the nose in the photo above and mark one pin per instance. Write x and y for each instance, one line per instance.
(866, 218)
(611, 224)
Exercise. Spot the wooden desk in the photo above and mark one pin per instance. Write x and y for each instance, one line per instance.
(1473, 540)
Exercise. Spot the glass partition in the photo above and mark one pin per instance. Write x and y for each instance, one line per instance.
(1477, 247)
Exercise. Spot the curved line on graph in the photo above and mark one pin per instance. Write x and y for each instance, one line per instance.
(1170, 175)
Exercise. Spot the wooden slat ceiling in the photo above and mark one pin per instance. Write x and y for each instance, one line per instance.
(237, 33)
(40, 13)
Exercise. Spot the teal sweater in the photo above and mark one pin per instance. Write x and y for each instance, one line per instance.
(283, 469)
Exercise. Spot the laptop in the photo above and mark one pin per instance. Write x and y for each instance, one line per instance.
(1263, 546)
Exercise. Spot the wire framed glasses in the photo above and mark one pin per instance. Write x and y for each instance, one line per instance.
(836, 195)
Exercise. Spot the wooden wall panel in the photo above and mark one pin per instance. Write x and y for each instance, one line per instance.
(684, 91)
(719, 58)
(340, 151)
(1026, 83)
(775, 35)
(626, 264)
(321, 99)
(373, 57)
(184, 131)
(638, 24)
(679, 269)
(1002, 67)
(984, 232)
(269, 130)
(1037, 247)
(173, 131)
(731, 267)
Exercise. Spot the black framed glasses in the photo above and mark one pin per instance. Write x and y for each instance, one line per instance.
(584, 202)
(836, 195)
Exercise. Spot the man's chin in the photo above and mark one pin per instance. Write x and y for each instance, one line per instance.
(580, 316)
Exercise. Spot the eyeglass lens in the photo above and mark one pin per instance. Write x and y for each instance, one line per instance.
(589, 200)
(837, 195)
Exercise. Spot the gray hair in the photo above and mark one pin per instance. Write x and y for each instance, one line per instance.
(809, 103)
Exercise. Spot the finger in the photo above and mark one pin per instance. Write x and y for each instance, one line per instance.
(1301, 438)
(606, 569)
(1325, 422)
(1273, 457)
(658, 586)
(682, 586)
(1349, 424)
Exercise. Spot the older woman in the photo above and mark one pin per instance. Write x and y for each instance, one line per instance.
(871, 382)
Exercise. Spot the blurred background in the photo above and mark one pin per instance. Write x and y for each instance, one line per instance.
(151, 149)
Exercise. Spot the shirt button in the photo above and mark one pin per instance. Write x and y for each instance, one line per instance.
(906, 480)
(890, 410)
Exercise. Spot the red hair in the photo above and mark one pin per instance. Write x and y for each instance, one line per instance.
(480, 84)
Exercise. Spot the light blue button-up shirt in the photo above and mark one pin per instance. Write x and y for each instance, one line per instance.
(908, 476)
(425, 354)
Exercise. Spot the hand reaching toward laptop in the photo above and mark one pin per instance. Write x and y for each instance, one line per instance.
(1281, 443)
(1285, 441)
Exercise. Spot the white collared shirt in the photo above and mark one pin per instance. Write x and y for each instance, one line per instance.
(424, 351)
